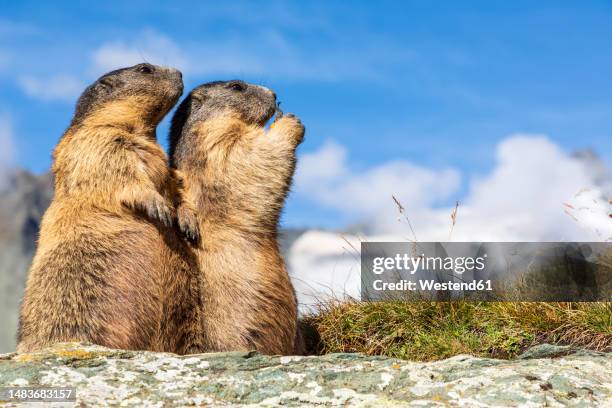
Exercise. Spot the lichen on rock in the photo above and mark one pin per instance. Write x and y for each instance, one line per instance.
(546, 376)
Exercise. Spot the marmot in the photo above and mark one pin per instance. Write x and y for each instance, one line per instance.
(238, 174)
(109, 269)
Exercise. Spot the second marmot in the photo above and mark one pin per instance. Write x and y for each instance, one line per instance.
(238, 174)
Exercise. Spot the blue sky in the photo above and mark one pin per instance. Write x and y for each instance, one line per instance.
(436, 84)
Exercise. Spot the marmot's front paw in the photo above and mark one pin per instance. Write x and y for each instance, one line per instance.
(156, 208)
(188, 224)
(292, 126)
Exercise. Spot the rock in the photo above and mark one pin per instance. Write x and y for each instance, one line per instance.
(105, 377)
(548, 351)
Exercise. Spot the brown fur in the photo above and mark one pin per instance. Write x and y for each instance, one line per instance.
(238, 176)
(107, 269)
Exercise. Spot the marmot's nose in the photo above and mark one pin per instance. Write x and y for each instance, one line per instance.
(175, 72)
(273, 94)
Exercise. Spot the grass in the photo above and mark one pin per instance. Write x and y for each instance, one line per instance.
(427, 331)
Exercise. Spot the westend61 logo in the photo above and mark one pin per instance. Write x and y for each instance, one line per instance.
(520, 271)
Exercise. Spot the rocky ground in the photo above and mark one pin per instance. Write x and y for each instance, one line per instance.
(544, 376)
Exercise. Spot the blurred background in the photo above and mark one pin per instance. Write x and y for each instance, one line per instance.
(502, 107)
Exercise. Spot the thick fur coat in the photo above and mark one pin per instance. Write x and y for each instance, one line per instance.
(238, 175)
(109, 267)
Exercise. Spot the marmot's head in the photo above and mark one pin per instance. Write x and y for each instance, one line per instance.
(253, 104)
(153, 89)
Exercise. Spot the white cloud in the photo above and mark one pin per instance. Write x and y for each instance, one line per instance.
(324, 177)
(522, 199)
(536, 192)
(323, 265)
(589, 208)
(53, 88)
(327, 164)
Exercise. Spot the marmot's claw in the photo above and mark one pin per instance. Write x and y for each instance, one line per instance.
(191, 234)
(162, 213)
(190, 231)
(157, 209)
(188, 225)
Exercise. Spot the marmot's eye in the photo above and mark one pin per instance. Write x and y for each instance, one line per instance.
(145, 69)
(237, 86)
